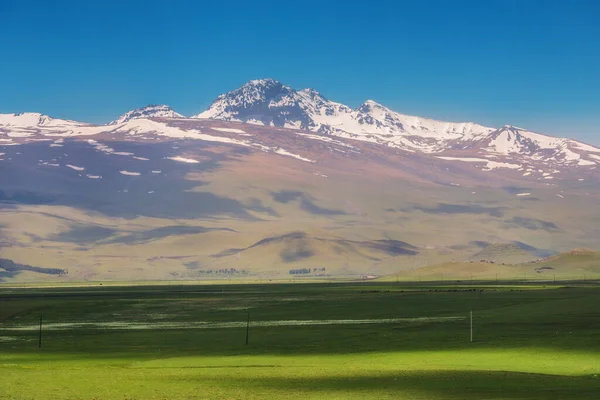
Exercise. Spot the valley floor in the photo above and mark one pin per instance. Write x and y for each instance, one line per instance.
(331, 340)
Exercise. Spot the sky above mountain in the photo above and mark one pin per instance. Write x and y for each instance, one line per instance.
(527, 63)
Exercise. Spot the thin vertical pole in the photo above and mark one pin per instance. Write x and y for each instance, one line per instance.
(247, 328)
(471, 315)
(40, 337)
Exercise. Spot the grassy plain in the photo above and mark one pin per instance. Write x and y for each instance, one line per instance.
(188, 342)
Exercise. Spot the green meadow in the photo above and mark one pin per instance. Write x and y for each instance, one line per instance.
(305, 341)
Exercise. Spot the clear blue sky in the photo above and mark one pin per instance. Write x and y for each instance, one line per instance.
(523, 62)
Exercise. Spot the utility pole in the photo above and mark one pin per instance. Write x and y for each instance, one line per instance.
(471, 317)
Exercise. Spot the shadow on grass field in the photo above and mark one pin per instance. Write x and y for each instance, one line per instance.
(433, 385)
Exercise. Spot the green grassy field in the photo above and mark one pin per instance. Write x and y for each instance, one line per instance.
(334, 341)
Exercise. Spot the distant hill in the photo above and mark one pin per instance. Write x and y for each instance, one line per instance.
(576, 264)
(307, 255)
(509, 253)
(579, 261)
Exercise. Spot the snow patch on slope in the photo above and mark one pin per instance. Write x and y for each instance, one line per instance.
(489, 163)
(184, 160)
(129, 173)
(230, 130)
(287, 153)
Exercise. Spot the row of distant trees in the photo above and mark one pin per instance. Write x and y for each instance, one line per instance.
(304, 271)
(224, 271)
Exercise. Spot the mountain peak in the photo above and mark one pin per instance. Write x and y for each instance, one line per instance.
(24, 119)
(271, 103)
(262, 82)
(257, 89)
(311, 92)
(249, 102)
(149, 111)
(33, 119)
(371, 103)
(369, 106)
(512, 128)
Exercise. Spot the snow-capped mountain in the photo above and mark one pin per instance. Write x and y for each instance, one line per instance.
(34, 120)
(270, 103)
(532, 155)
(150, 111)
(266, 153)
(513, 142)
(30, 123)
(375, 122)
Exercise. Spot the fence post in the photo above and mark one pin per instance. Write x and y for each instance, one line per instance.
(40, 337)
(247, 328)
